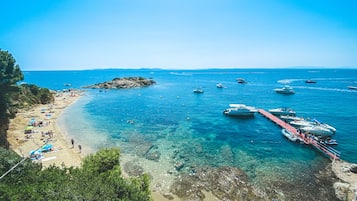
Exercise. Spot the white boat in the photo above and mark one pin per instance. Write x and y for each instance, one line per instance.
(285, 90)
(288, 118)
(283, 111)
(219, 85)
(240, 110)
(292, 137)
(306, 123)
(317, 130)
(198, 91)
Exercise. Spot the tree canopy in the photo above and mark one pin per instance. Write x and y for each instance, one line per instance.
(99, 178)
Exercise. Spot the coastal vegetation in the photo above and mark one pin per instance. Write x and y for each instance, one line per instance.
(99, 177)
(14, 96)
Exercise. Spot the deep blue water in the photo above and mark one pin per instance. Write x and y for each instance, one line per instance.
(171, 116)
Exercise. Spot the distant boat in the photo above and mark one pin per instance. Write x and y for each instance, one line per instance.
(283, 111)
(352, 87)
(310, 81)
(285, 90)
(198, 91)
(241, 81)
(219, 85)
(67, 84)
(240, 110)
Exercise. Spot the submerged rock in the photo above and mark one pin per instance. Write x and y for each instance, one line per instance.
(226, 183)
(123, 83)
(133, 169)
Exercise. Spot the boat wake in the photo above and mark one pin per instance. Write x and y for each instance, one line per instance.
(326, 89)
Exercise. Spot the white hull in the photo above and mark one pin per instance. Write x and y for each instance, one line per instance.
(318, 130)
(283, 111)
(240, 110)
(290, 136)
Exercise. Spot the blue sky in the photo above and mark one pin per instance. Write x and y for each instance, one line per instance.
(179, 34)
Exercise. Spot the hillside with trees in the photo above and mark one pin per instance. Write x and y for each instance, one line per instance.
(99, 177)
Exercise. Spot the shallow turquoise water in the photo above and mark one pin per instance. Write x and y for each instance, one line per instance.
(170, 116)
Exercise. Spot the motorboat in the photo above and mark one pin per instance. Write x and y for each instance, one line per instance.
(219, 85)
(306, 123)
(288, 118)
(241, 81)
(291, 136)
(352, 87)
(285, 90)
(240, 110)
(282, 111)
(317, 130)
(329, 142)
(310, 81)
(198, 91)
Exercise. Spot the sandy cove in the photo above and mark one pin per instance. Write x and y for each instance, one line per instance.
(62, 152)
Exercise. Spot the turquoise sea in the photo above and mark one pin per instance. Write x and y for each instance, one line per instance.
(189, 127)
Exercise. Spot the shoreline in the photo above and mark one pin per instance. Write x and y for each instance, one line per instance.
(45, 130)
(64, 154)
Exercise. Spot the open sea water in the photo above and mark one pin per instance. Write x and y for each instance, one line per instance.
(175, 120)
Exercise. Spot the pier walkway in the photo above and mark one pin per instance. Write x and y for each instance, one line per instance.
(328, 150)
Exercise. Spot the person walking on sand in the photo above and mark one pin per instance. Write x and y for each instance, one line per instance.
(80, 148)
(72, 142)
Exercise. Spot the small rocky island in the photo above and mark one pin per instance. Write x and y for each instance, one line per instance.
(123, 83)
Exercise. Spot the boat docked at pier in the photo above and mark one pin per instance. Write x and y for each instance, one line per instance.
(283, 111)
(240, 110)
(285, 90)
(317, 130)
(313, 123)
(291, 136)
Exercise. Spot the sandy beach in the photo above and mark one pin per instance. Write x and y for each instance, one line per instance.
(44, 130)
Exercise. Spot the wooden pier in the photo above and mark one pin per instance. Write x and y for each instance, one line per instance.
(328, 150)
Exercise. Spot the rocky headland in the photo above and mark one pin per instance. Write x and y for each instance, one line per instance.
(123, 83)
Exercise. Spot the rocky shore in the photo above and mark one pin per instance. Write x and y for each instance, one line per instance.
(123, 83)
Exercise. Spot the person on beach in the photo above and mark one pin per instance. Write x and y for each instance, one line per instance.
(72, 142)
(80, 148)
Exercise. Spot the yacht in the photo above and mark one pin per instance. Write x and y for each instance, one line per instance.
(352, 87)
(240, 110)
(317, 130)
(285, 90)
(289, 118)
(282, 111)
(306, 123)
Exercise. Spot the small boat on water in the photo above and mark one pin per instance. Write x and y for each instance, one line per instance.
(198, 91)
(240, 110)
(219, 85)
(241, 81)
(285, 90)
(283, 111)
(352, 87)
(291, 136)
(329, 142)
(310, 81)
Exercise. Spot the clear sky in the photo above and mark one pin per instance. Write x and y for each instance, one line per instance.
(179, 34)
